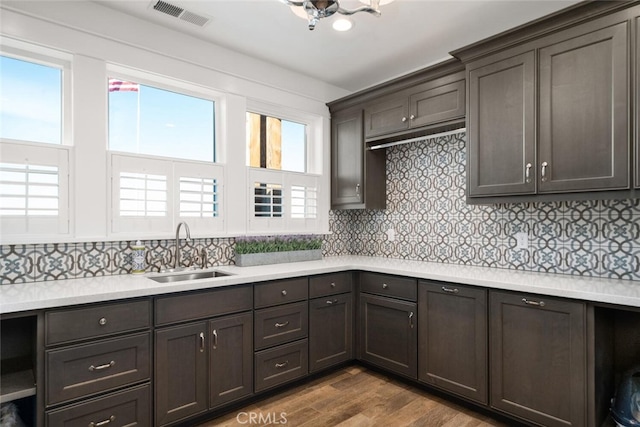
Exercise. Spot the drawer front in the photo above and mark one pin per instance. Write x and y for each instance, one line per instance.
(281, 364)
(329, 284)
(281, 292)
(199, 305)
(92, 368)
(128, 408)
(96, 321)
(281, 324)
(391, 286)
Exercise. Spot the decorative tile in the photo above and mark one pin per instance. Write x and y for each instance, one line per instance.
(93, 259)
(55, 261)
(16, 264)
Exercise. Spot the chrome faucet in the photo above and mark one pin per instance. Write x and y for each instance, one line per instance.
(176, 260)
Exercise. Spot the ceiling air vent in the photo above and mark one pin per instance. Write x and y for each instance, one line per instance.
(180, 13)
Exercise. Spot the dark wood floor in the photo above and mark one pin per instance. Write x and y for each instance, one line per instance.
(354, 397)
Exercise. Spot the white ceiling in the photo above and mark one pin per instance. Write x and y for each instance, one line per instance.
(410, 34)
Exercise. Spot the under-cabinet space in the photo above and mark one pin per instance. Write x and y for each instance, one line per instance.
(614, 349)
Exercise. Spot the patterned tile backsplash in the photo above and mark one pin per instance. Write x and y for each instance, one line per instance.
(426, 209)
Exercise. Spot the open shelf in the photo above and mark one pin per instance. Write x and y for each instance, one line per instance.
(16, 385)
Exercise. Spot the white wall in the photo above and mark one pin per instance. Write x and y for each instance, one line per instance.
(96, 36)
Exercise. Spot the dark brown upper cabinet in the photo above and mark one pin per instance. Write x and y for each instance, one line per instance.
(636, 100)
(426, 104)
(357, 174)
(548, 106)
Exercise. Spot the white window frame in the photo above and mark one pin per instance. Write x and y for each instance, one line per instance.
(28, 229)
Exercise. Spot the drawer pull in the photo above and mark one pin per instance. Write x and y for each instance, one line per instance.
(201, 342)
(332, 301)
(411, 320)
(450, 290)
(102, 321)
(282, 325)
(333, 285)
(530, 302)
(385, 286)
(282, 365)
(101, 367)
(284, 293)
(103, 423)
(215, 338)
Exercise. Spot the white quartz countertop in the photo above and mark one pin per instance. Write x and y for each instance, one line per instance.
(41, 295)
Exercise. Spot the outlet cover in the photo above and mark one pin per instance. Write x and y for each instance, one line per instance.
(522, 240)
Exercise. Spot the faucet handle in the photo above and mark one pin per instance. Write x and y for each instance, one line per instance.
(203, 258)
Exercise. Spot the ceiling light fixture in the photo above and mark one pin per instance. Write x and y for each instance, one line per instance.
(342, 24)
(318, 9)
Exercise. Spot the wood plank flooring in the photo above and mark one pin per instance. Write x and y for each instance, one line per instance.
(354, 397)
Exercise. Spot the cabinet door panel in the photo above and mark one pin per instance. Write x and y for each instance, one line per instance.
(388, 333)
(181, 372)
(438, 104)
(347, 151)
(387, 116)
(501, 127)
(584, 124)
(538, 368)
(330, 331)
(637, 101)
(453, 338)
(231, 359)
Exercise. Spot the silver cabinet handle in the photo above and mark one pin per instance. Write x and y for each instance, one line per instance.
(411, 320)
(333, 301)
(101, 367)
(333, 285)
(282, 325)
(543, 172)
(412, 117)
(527, 173)
(357, 189)
(404, 119)
(530, 302)
(282, 365)
(102, 321)
(284, 293)
(385, 286)
(201, 342)
(215, 338)
(103, 423)
(450, 290)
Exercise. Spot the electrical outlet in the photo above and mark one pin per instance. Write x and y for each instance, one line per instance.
(522, 240)
(391, 235)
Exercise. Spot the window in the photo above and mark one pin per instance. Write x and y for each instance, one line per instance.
(152, 121)
(275, 143)
(31, 107)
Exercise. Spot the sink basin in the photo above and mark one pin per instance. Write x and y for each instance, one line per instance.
(189, 276)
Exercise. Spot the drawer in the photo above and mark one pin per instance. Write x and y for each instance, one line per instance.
(277, 325)
(281, 292)
(82, 370)
(127, 408)
(281, 364)
(199, 305)
(391, 286)
(329, 284)
(96, 321)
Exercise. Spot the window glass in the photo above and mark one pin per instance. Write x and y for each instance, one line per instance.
(152, 121)
(275, 143)
(30, 101)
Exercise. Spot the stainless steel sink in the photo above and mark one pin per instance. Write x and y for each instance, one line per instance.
(196, 275)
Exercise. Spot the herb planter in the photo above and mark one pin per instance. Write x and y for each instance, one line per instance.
(264, 258)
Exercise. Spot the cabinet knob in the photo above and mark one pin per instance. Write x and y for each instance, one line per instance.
(385, 286)
(102, 321)
(284, 293)
(412, 117)
(404, 119)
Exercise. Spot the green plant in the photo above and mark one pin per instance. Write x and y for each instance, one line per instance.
(261, 244)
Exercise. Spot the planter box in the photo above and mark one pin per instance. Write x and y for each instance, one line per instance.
(248, 260)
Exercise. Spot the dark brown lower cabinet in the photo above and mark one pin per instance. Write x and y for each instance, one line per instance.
(330, 331)
(388, 334)
(202, 365)
(452, 343)
(538, 358)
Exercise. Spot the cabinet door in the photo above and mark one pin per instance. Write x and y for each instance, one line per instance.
(330, 331)
(437, 104)
(501, 127)
(231, 359)
(347, 153)
(636, 99)
(181, 378)
(584, 112)
(537, 348)
(452, 349)
(388, 115)
(388, 334)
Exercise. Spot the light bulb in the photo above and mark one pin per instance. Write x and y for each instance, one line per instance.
(342, 24)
